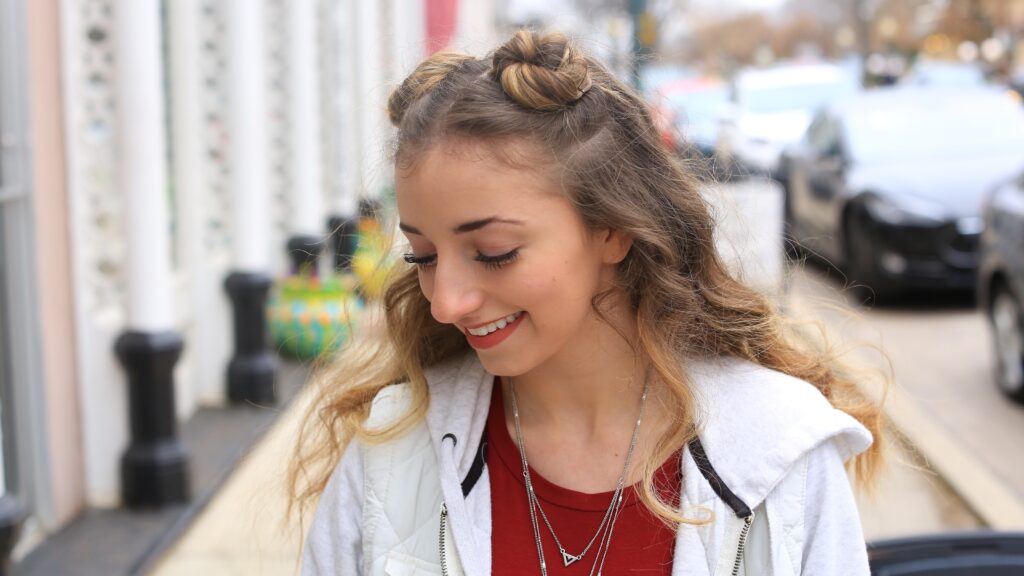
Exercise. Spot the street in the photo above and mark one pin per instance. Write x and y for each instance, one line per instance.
(943, 399)
(940, 360)
(940, 350)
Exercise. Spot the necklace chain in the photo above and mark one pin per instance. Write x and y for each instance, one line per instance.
(607, 525)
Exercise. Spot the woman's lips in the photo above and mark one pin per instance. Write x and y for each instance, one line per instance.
(496, 337)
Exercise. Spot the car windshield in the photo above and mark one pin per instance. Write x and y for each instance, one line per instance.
(947, 75)
(794, 97)
(935, 130)
(698, 105)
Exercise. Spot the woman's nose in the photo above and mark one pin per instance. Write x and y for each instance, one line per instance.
(455, 293)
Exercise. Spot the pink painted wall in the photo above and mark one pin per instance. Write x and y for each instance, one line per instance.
(442, 19)
(53, 264)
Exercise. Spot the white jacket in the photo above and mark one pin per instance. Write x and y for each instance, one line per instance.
(773, 446)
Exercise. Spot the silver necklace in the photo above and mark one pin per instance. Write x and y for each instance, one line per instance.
(607, 525)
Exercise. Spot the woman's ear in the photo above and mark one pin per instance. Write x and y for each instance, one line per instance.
(616, 244)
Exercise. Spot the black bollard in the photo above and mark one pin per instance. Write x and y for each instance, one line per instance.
(252, 369)
(12, 517)
(304, 251)
(154, 468)
(344, 238)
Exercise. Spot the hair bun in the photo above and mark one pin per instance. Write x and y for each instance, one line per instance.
(425, 78)
(541, 72)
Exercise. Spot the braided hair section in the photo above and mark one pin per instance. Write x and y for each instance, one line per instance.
(424, 79)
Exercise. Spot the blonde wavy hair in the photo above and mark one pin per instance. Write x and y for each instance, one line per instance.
(595, 135)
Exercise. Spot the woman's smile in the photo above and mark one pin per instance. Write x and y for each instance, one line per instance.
(493, 333)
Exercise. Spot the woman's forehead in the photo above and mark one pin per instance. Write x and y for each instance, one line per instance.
(453, 178)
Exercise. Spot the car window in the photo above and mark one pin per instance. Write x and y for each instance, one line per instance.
(937, 129)
(806, 96)
(822, 135)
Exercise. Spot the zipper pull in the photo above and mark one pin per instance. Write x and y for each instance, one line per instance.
(441, 546)
(742, 543)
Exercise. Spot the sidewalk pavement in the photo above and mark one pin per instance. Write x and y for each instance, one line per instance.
(243, 531)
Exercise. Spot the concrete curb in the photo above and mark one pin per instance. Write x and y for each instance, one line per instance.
(998, 506)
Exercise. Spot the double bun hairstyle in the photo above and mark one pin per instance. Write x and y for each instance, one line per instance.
(540, 103)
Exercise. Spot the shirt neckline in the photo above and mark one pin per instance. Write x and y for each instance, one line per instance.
(502, 446)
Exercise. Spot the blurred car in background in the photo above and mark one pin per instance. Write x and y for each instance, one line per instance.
(770, 108)
(889, 184)
(983, 553)
(1001, 282)
(1016, 82)
(927, 72)
(693, 107)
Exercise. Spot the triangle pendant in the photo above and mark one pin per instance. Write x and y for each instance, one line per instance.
(569, 558)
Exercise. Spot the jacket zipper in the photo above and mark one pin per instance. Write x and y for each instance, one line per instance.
(444, 525)
(739, 549)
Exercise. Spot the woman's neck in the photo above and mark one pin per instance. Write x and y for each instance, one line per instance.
(595, 384)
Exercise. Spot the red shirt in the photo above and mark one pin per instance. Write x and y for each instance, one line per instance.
(640, 542)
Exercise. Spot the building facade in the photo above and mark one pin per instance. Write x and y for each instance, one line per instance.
(150, 150)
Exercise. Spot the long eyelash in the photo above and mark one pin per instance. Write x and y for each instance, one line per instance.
(496, 262)
(420, 261)
(491, 262)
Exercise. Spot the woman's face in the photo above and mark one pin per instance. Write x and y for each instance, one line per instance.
(503, 257)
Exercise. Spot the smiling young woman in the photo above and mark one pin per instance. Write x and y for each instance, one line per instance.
(570, 381)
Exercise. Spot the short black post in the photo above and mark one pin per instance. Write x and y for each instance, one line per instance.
(344, 240)
(12, 517)
(252, 369)
(304, 251)
(154, 469)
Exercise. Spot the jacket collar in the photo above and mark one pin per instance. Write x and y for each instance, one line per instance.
(754, 423)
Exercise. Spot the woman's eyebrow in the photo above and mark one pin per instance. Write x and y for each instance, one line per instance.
(465, 227)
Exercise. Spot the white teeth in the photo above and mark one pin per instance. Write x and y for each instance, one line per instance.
(494, 326)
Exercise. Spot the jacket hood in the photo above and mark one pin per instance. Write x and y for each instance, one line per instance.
(756, 423)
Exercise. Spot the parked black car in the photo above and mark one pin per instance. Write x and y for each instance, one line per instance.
(970, 554)
(888, 184)
(1001, 282)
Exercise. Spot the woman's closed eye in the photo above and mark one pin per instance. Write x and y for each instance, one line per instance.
(491, 262)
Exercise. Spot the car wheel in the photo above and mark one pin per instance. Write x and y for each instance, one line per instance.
(1007, 322)
(861, 269)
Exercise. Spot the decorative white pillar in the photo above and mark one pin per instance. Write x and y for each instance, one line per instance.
(206, 313)
(409, 37)
(247, 129)
(251, 370)
(307, 240)
(371, 96)
(348, 152)
(154, 469)
(142, 166)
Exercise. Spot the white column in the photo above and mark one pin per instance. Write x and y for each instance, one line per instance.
(186, 115)
(409, 32)
(247, 132)
(371, 96)
(142, 168)
(208, 318)
(475, 29)
(346, 198)
(307, 182)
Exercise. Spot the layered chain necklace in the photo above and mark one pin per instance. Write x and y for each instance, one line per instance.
(603, 534)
